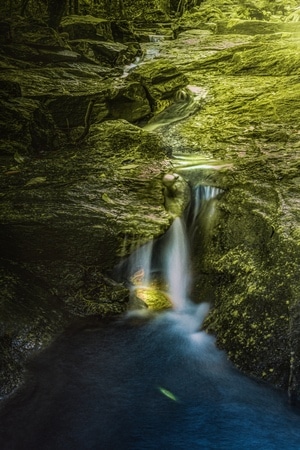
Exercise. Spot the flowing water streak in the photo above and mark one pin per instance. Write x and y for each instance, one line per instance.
(176, 264)
(176, 251)
(170, 256)
(156, 38)
(140, 265)
(130, 67)
(202, 203)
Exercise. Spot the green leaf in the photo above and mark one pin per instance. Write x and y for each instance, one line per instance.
(168, 394)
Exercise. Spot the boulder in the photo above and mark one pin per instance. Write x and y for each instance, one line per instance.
(112, 53)
(36, 35)
(87, 27)
(26, 127)
(67, 92)
(114, 150)
(123, 31)
(161, 80)
(130, 103)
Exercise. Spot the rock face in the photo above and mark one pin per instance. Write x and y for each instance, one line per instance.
(161, 81)
(80, 186)
(66, 220)
(247, 261)
(61, 80)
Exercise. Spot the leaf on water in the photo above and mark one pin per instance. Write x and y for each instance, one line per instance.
(36, 180)
(168, 394)
(106, 198)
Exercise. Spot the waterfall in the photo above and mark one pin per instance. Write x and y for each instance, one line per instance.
(129, 67)
(202, 208)
(156, 38)
(176, 264)
(164, 265)
(140, 264)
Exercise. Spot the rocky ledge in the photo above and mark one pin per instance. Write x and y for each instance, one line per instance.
(81, 184)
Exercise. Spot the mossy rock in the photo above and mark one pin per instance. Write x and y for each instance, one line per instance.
(68, 217)
(112, 53)
(246, 262)
(87, 27)
(27, 123)
(274, 58)
(37, 35)
(67, 93)
(161, 81)
(254, 27)
(130, 103)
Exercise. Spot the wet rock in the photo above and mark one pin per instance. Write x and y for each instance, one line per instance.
(130, 103)
(161, 80)
(55, 88)
(176, 193)
(66, 93)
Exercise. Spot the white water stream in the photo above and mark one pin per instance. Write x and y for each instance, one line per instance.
(170, 255)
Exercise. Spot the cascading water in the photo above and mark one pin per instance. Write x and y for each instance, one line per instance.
(149, 53)
(176, 264)
(140, 265)
(202, 196)
(168, 259)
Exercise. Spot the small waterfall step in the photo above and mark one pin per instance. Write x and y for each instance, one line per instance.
(164, 265)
